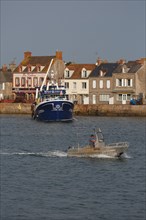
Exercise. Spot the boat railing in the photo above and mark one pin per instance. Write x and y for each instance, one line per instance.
(119, 144)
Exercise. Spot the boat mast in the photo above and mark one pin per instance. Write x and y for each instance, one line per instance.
(44, 81)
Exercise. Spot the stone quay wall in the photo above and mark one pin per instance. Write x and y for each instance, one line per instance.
(110, 110)
(91, 110)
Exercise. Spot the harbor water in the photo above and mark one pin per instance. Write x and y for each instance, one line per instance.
(39, 182)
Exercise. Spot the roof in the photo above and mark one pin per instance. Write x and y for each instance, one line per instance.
(106, 68)
(77, 68)
(34, 61)
(130, 67)
(6, 76)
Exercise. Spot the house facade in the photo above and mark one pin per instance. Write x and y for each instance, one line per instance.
(76, 78)
(31, 72)
(6, 79)
(129, 81)
(118, 83)
(101, 83)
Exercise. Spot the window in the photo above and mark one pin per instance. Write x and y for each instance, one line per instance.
(67, 73)
(84, 85)
(41, 81)
(94, 84)
(29, 68)
(74, 85)
(17, 81)
(129, 82)
(121, 97)
(124, 82)
(119, 82)
(2, 86)
(23, 81)
(94, 99)
(38, 68)
(104, 98)
(35, 81)
(67, 85)
(20, 69)
(101, 84)
(84, 73)
(101, 73)
(108, 84)
(29, 81)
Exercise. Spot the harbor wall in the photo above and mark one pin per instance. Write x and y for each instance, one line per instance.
(92, 110)
(110, 110)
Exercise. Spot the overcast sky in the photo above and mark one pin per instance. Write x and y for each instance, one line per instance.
(83, 30)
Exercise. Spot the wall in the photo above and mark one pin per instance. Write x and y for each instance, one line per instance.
(98, 110)
(110, 110)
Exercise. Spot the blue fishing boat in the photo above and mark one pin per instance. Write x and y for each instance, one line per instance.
(54, 106)
(52, 103)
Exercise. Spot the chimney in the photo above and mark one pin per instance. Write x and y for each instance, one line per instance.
(27, 54)
(4, 68)
(121, 61)
(141, 61)
(59, 55)
(99, 61)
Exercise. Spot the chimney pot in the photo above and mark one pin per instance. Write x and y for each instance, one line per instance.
(4, 68)
(27, 54)
(59, 55)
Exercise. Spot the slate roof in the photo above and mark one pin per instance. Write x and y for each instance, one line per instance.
(107, 68)
(6, 76)
(77, 68)
(132, 67)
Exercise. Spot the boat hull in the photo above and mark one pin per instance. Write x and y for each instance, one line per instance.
(54, 111)
(88, 151)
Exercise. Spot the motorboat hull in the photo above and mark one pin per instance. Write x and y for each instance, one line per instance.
(56, 110)
(88, 151)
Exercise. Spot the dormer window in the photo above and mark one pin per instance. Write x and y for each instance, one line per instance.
(123, 70)
(101, 73)
(38, 68)
(67, 73)
(20, 69)
(29, 68)
(84, 73)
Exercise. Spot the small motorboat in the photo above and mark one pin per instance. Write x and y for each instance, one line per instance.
(97, 147)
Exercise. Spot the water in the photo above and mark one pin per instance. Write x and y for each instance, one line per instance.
(39, 181)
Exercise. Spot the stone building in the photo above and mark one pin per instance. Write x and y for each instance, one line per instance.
(118, 83)
(6, 78)
(101, 83)
(129, 81)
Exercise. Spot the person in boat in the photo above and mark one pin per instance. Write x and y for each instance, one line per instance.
(92, 140)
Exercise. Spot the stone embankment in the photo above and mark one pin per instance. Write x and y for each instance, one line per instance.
(92, 110)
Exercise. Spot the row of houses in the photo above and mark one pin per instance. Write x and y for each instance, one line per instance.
(100, 83)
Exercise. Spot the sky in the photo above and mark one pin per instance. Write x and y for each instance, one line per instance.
(82, 30)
